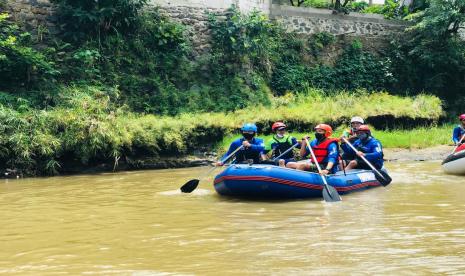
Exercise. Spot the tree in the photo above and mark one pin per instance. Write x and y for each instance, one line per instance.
(296, 3)
(433, 59)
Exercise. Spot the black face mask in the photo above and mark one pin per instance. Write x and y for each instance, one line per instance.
(248, 136)
(319, 136)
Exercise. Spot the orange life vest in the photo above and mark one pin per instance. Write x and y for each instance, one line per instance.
(321, 150)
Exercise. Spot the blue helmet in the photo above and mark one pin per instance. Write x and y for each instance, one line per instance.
(249, 127)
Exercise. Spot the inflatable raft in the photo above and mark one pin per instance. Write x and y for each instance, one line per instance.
(266, 181)
(455, 162)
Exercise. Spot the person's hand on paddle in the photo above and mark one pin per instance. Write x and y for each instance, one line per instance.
(246, 144)
(219, 164)
(324, 172)
(359, 153)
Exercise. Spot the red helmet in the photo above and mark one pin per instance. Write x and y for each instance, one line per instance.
(364, 128)
(462, 117)
(277, 126)
(327, 128)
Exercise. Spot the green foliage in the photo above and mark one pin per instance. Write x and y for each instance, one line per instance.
(20, 64)
(390, 9)
(87, 128)
(244, 39)
(354, 69)
(321, 4)
(358, 69)
(319, 41)
(433, 55)
(84, 19)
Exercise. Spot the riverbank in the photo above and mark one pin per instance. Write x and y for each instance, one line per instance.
(435, 153)
(85, 129)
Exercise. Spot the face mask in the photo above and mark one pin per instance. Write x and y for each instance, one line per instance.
(362, 136)
(319, 136)
(248, 136)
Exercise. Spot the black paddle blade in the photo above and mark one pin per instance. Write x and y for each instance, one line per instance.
(385, 180)
(190, 186)
(330, 194)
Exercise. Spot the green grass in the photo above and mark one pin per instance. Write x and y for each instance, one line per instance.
(86, 127)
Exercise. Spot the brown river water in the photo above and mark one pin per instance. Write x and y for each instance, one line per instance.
(137, 223)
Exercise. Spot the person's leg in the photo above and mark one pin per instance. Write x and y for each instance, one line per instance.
(292, 165)
(352, 165)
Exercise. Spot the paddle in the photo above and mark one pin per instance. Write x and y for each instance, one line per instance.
(329, 192)
(192, 184)
(383, 178)
(458, 144)
(288, 150)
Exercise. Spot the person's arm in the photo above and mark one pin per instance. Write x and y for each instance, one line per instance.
(294, 141)
(258, 146)
(376, 152)
(456, 135)
(234, 145)
(347, 149)
(332, 158)
(303, 149)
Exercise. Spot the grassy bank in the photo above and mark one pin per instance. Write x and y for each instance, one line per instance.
(87, 128)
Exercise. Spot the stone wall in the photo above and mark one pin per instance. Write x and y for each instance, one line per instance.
(35, 15)
(38, 16)
(309, 21)
(195, 19)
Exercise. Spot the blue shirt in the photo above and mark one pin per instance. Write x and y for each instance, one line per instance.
(371, 147)
(333, 154)
(256, 148)
(459, 131)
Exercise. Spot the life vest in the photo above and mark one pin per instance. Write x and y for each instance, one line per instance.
(282, 147)
(321, 150)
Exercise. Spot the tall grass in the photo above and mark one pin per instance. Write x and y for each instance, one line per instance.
(86, 127)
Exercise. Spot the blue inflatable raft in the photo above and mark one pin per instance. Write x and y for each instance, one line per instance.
(266, 181)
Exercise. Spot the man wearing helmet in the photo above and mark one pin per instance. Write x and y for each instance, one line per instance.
(368, 147)
(280, 143)
(355, 123)
(252, 146)
(459, 131)
(325, 149)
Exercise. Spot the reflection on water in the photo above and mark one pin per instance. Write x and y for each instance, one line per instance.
(138, 223)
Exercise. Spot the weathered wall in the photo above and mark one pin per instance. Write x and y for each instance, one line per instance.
(309, 20)
(38, 15)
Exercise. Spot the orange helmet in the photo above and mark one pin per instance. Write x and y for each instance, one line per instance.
(277, 126)
(327, 128)
(364, 128)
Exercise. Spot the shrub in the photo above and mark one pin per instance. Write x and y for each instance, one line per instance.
(21, 65)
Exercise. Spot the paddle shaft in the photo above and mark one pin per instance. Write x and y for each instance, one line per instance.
(288, 150)
(363, 158)
(316, 162)
(458, 144)
(232, 153)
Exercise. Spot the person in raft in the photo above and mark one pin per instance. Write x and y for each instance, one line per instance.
(355, 123)
(252, 146)
(326, 151)
(279, 144)
(459, 131)
(368, 147)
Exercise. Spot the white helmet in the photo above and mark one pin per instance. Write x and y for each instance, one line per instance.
(357, 119)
